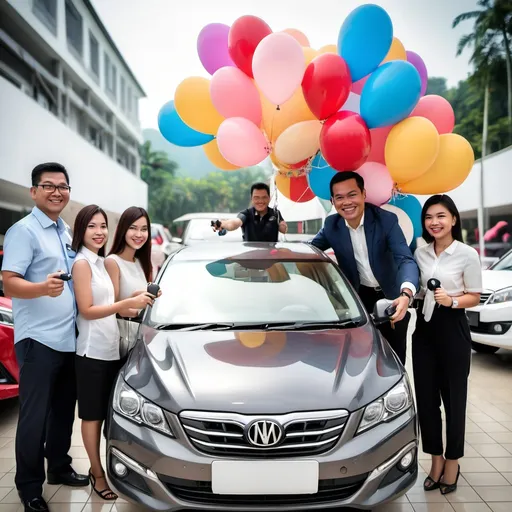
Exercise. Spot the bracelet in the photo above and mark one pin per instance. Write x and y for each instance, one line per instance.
(405, 294)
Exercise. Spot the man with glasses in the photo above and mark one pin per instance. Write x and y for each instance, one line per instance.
(37, 252)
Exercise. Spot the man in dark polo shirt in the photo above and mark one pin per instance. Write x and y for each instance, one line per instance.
(259, 223)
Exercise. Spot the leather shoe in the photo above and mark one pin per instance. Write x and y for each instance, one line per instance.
(71, 478)
(35, 505)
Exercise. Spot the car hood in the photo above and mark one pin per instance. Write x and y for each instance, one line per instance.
(263, 372)
(494, 280)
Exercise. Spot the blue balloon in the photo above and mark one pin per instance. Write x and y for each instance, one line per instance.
(320, 177)
(365, 39)
(412, 207)
(390, 94)
(176, 131)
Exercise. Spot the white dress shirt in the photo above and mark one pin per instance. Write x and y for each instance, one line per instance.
(98, 339)
(366, 275)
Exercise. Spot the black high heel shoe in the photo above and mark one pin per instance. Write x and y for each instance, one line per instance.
(449, 488)
(430, 484)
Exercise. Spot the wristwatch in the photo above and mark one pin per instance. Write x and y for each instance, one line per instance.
(405, 294)
(455, 303)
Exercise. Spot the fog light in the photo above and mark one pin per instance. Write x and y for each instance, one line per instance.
(498, 328)
(406, 460)
(120, 469)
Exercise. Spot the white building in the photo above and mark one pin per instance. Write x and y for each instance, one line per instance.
(66, 95)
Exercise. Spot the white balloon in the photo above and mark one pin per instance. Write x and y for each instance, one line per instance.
(353, 103)
(404, 221)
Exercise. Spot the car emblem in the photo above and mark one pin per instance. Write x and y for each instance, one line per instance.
(264, 433)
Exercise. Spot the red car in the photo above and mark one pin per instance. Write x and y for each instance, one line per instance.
(9, 371)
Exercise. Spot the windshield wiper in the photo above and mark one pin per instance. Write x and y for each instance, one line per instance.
(297, 326)
(195, 327)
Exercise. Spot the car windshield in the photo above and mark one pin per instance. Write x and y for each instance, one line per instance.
(504, 264)
(201, 229)
(253, 292)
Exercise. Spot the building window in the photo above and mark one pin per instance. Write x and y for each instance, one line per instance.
(129, 106)
(110, 77)
(94, 54)
(123, 95)
(74, 28)
(46, 11)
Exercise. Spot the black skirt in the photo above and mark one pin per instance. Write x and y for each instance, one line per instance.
(95, 379)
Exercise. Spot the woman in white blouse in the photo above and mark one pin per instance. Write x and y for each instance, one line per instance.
(441, 343)
(129, 266)
(97, 351)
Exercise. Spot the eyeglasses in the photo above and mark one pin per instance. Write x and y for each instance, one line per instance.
(63, 189)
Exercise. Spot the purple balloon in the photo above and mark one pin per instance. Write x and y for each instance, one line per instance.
(212, 47)
(418, 63)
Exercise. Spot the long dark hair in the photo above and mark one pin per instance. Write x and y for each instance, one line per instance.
(448, 203)
(129, 216)
(82, 220)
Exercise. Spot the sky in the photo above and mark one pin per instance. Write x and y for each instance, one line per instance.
(158, 38)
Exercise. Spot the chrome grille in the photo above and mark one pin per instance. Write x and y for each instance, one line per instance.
(306, 433)
(484, 297)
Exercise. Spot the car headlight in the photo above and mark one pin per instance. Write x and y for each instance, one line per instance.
(128, 403)
(500, 296)
(395, 402)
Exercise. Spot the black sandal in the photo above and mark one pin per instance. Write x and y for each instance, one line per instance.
(107, 494)
(430, 484)
(449, 488)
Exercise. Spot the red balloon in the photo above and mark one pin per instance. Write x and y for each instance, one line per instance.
(379, 136)
(244, 36)
(326, 84)
(357, 87)
(345, 141)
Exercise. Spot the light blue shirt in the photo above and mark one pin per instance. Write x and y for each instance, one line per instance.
(35, 247)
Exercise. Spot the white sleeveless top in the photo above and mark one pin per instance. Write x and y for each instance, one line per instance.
(98, 339)
(131, 277)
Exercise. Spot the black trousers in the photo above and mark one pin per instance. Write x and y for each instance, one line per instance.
(396, 334)
(47, 412)
(441, 357)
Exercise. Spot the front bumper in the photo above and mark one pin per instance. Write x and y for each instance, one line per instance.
(170, 474)
(491, 324)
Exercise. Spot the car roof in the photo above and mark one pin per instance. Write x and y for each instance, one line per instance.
(205, 215)
(280, 251)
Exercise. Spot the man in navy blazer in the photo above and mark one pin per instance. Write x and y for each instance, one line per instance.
(372, 253)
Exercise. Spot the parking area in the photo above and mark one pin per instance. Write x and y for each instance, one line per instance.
(485, 485)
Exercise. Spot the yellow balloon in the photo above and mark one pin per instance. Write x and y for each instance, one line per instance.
(396, 52)
(328, 48)
(452, 166)
(298, 36)
(290, 112)
(411, 148)
(251, 339)
(194, 105)
(309, 54)
(213, 154)
(298, 142)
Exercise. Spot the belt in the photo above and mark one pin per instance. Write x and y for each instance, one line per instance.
(375, 289)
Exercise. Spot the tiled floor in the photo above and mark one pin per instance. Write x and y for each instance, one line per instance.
(485, 485)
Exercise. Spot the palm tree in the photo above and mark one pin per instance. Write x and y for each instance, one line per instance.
(152, 162)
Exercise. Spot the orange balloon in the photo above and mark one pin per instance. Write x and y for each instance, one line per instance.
(251, 339)
(298, 36)
(309, 54)
(450, 169)
(328, 48)
(213, 154)
(396, 52)
(295, 189)
(298, 142)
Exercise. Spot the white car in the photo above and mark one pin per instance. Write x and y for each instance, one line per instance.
(490, 322)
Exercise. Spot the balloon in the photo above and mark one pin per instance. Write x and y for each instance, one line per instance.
(235, 95)
(403, 221)
(295, 189)
(438, 110)
(298, 142)
(214, 155)
(411, 148)
(299, 36)
(345, 141)
(451, 167)
(377, 182)
(412, 207)
(379, 137)
(418, 63)
(241, 142)
(212, 47)
(357, 87)
(286, 168)
(396, 52)
(244, 36)
(328, 48)
(309, 54)
(320, 177)
(194, 105)
(326, 85)
(365, 39)
(278, 67)
(390, 94)
(292, 111)
(176, 131)
(353, 103)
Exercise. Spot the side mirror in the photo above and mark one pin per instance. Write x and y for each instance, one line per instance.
(177, 240)
(380, 315)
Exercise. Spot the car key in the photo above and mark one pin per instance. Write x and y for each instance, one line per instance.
(153, 289)
(65, 277)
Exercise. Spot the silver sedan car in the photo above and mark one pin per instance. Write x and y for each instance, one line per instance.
(260, 383)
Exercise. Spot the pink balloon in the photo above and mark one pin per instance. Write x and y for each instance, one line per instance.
(379, 137)
(278, 66)
(235, 95)
(377, 182)
(438, 110)
(241, 142)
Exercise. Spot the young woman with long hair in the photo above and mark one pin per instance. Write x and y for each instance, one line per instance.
(451, 281)
(97, 352)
